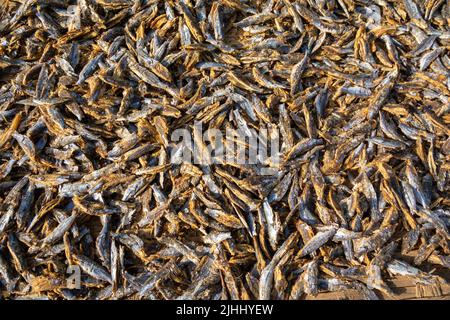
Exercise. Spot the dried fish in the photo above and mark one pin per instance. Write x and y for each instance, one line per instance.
(268, 149)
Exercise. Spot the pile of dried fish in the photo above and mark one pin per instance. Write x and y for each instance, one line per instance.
(92, 205)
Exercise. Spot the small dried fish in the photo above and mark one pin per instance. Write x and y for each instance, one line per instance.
(268, 149)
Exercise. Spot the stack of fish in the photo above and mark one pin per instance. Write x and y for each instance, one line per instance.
(91, 92)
